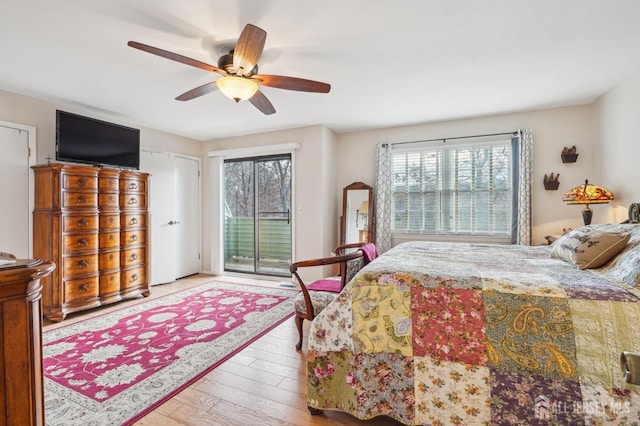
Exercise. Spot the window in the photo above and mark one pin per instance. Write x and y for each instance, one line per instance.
(454, 189)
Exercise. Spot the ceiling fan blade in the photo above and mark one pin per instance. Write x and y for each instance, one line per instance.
(260, 101)
(175, 57)
(292, 83)
(198, 91)
(248, 49)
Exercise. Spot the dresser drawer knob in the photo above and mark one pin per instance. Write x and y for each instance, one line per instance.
(133, 238)
(82, 199)
(133, 186)
(111, 236)
(133, 257)
(110, 197)
(83, 223)
(83, 288)
(133, 200)
(83, 263)
(82, 182)
(133, 278)
(83, 242)
(111, 257)
(111, 219)
(133, 221)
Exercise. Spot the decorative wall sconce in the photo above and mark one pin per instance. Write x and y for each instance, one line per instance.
(551, 182)
(569, 155)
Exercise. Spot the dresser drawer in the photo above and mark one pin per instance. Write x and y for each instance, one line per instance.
(133, 238)
(133, 201)
(108, 200)
(86, 222)
(110, 283)
(109, 260)
(108, 183)
(109, 240)
(76, 243)
(134, 220)
(110, 222)
(133, 277)
(73, 199)
(132, 257)
(132, 185)
(79, 182)
(80, 265)
(81, 290)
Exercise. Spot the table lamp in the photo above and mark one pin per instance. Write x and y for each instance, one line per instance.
(587, 194)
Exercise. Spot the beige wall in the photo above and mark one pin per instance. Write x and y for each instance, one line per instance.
(604, 134)
(314, 201)
(552, 130)
(42, 115)
(617, 136)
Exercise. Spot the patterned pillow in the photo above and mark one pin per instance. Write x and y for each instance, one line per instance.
(589, 248)
(626, 266)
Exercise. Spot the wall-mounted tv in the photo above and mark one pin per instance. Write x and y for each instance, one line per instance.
(87, 140)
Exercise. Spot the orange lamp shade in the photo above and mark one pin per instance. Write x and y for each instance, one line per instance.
(587, 194)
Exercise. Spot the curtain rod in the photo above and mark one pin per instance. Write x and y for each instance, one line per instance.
(457, 137)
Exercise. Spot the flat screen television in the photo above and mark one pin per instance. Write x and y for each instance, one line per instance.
(88, 140)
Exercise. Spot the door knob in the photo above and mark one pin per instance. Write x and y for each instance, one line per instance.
(173, 222)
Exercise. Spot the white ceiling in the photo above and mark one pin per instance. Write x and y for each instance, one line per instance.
(389, 63)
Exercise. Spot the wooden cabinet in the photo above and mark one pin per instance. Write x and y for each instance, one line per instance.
(21, 375)
(88, 220)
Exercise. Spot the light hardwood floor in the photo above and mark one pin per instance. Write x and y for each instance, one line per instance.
(264, 384)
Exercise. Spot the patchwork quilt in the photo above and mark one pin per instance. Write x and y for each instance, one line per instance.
(448, 334)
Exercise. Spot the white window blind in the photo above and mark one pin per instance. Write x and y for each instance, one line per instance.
(455, 189)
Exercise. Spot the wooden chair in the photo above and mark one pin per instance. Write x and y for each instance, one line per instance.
(315, 296)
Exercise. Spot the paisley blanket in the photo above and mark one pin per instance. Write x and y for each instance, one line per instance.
(441, 334)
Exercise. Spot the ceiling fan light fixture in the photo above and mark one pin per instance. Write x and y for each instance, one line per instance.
(237, 88)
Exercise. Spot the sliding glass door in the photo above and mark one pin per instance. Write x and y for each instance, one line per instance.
(257, 215)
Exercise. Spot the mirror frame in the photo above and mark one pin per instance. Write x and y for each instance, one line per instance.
(371, 220)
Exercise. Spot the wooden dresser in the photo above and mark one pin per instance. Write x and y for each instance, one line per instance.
(21, 375)
(92, 222)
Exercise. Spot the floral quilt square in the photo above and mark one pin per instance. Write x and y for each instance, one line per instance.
(520, 399)
(332, 380)
(384, 382)
(451, 393)
(382, 319)
(448, 324)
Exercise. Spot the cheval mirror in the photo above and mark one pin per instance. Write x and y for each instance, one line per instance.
(357, 223)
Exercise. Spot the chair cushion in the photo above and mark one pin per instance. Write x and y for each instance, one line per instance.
(326, 284)
(319, 300)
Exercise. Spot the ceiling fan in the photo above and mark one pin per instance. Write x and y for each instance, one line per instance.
(239, 70)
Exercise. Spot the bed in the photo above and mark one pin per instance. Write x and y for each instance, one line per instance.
(454, 333)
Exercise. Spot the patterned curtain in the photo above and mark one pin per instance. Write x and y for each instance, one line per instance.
(523, 153)
(383, 197)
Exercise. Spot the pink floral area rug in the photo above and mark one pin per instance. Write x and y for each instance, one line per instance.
(114, 368)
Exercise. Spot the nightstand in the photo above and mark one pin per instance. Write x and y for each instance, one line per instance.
(551, 238)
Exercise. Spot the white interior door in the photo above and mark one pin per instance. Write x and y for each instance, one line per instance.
(187, 213)
(161, 211)
(174, 206)
(16, 191)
